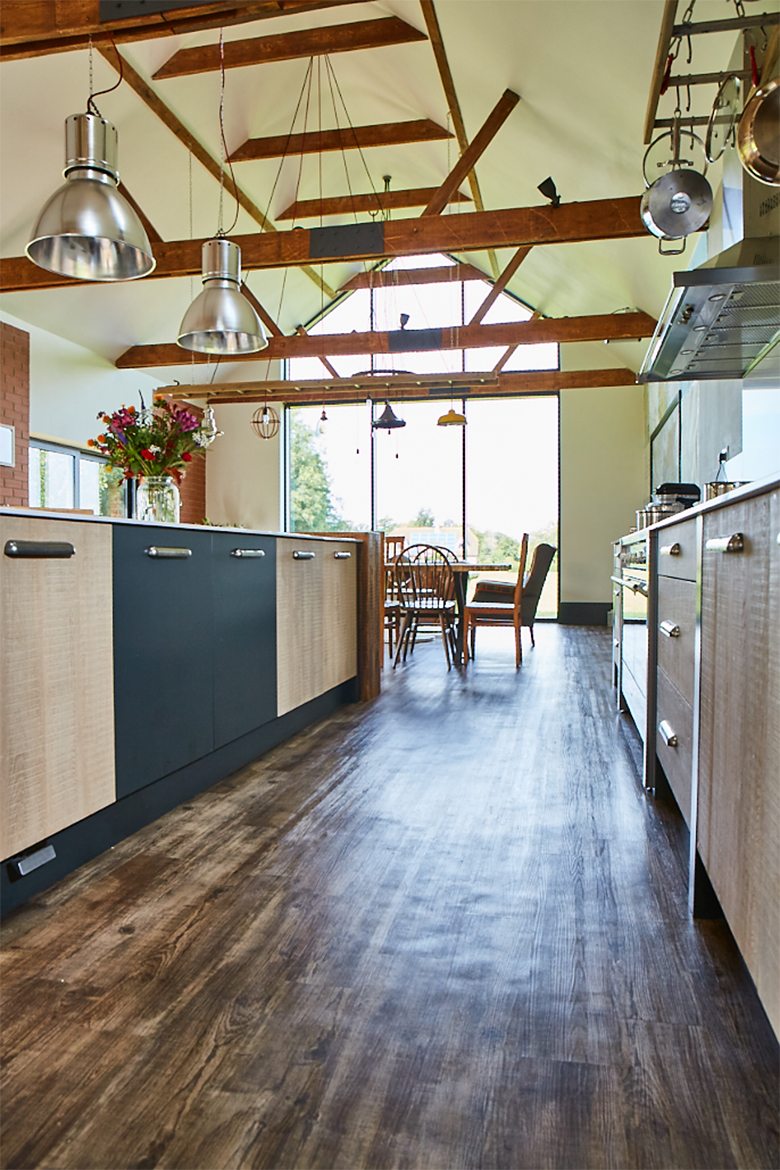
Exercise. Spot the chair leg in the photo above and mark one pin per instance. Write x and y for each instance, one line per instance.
(532, 635)
(400, 641)
(473, 639)
(518, 646)
(443, 625)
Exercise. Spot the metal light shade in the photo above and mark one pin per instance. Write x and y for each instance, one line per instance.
(452, 419)
(87, 229)
(220, 320)
(387, 420)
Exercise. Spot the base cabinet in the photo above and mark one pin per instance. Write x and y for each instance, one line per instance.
(163, 652)
(56, 705)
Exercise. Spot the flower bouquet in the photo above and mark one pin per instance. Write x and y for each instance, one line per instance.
(153, 445)
(153, 441)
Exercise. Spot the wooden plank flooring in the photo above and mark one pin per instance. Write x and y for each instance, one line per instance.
(443, 930)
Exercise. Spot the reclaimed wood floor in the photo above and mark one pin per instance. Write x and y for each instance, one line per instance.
(444, 930)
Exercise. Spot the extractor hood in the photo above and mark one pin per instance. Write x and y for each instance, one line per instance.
(720, 319)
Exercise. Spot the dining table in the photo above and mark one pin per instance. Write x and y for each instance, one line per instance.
(461, 570)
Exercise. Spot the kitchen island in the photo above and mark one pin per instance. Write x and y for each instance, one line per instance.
(142, 663)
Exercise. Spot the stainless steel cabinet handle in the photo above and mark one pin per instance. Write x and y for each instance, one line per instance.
(670, 550)
(247, 552)
(342, 556)
(637, 586)
(667, 735)
(49, 549)
(303, 556)
(670, 629)
(168, 554)
(728, 544)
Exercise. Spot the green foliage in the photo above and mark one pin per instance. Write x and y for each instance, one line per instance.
(497, 547)
(312, 505)
(424, 519)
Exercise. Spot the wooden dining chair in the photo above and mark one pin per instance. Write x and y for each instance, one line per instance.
(426, 587)
(498, 613)
(393, 614)
(503, 591)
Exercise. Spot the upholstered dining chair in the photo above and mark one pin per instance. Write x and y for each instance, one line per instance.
(498, 613)
(503, 591)
(426, 587)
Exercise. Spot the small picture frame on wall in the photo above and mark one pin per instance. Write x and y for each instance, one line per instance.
(7, 445)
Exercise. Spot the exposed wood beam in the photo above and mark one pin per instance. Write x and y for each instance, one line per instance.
(600, 327)
(301, 331)
(505, 356)
(500, 284)
(151, 230)
(495, 120)
(377, 203)
(261, 311)
(34, 28)
(347, 138)
(309, 42)
(188, 139)
(659, 68)
(453, 105)
(408, 277)
(598, 219)
(345, 390)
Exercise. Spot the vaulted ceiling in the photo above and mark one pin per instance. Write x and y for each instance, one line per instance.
(582, 70)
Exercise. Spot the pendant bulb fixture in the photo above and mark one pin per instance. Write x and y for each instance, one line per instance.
(87, 229)
(452, 419)
(387, 420)
(220, 320)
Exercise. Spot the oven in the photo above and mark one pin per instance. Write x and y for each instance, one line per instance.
(630, 588)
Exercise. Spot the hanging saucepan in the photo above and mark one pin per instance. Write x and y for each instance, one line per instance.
(758, 134)
(679, 202)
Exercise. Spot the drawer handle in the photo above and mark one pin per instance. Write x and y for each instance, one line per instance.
(667, 735)
(303, 556)
(247, 552)
(727, 544)
(342, 556)
(671, 550)
(670, 629)
(49, 549)
(168, 554)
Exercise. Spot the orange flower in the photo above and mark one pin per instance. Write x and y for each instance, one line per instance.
(91, 443)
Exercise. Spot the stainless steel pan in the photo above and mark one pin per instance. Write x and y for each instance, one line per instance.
(758, 134)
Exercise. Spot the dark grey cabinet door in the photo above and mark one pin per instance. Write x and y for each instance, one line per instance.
(163, 653)
(244, 585)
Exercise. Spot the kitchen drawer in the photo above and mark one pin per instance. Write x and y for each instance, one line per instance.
(677, 550)
(677, 611)
(677, 715)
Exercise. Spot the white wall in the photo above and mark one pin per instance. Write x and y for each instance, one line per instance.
(243, 472)
(604, 479)
(69, 385)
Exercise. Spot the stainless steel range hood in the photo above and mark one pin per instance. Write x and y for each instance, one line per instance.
(720, 319)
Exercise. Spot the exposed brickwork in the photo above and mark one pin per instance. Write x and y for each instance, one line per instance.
(193, 493)
(15, 410)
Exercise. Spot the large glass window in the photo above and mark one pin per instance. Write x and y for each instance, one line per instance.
(330, 468)
(64, 477)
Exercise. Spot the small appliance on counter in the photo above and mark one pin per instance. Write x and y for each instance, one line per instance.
(668, 499)
(721, 483)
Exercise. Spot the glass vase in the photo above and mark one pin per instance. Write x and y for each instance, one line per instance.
(157, 499)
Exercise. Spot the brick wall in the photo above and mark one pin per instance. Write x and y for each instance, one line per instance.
(15, 410)
(193, 492)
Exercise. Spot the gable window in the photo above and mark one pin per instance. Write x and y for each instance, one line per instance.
(64, 477)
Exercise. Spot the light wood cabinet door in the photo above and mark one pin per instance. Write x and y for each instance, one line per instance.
(299, 622)
(56, 679)
(739, 760)
(339, 625)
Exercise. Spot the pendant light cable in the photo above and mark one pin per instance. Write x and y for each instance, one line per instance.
(224, 152)
(91, 107)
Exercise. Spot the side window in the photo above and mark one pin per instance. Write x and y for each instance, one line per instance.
(65, 477)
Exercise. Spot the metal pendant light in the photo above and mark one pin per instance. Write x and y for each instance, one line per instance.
(388, 421)
(87, 229)
(220, 320)
(208, 430)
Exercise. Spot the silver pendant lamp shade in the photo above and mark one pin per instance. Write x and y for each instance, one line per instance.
(220, 320)
(87, 229)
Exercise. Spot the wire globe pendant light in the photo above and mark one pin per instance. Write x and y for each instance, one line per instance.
(220, 320)
(87, 229)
